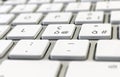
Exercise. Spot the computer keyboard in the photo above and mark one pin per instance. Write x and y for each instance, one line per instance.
(59, 38)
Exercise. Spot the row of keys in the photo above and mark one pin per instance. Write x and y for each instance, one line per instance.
(63, 50)
(57, 7)
(88, 31)
(64, 18)
(78, 50)
(45, 8)
(52, 18)
(63, 31)
(106, 6)
(58, 18)
(15, 2)
(57, 31)
(43, 69)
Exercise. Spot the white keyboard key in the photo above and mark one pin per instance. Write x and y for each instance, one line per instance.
(70, 50)
(38, 1)
(25, 8)
(27, 18)
(15, 2)
(30, 68)
(108, 6)
(4, 29)
(55, 7)
(89, 17)
(24, 32)
(93, 69)
(64, 1)
(108, 50)
(6, 18)
(59, 31)
(114, 19)
(95, 31)
(5, 8)
(76, 7)
(29, 49)
(5, 46)
(57, 18)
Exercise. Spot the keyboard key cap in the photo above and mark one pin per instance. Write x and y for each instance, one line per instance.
(95, 31)
(28, 8)
(27, 18)
(108, 50)
(24, 32)
(5, 46)
(54, 7)
(89, 17)
(64, 1)
(29, 49)
(30, 68)
(5, 8)
(114, 19)
(93, 69)
(63, 31)
(38, 1)
(70, 50)
(6, 18)
(15, 2)
(57, 18)
(4, 29)
(76, 7)
(108, 6)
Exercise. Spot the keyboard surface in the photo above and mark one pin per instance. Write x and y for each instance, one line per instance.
(59, 38)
